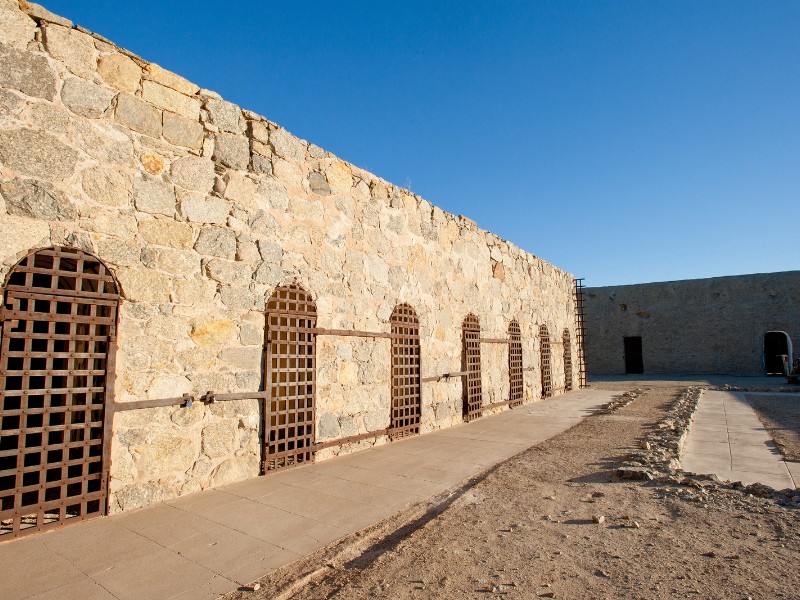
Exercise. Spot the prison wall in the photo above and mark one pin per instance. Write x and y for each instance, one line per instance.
(200, 209)
(714, 325)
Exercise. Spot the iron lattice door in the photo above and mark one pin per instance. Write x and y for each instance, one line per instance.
(544, 358)
(515, 393)
(473, 395)
(290, 418)
(406, 393)
(567, 361)
(56, 374)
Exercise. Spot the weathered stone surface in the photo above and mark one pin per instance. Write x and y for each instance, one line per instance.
(208, 331)
(154, 196)
(138, 115)
(208, 209)
(37, 199)
(219, 439)
(16, 29)
(182, 131)
(262, 164)
(117, 253)
(39, 12)
(242, 190)
(191, 291)
(329, 427)
(225, 115)
(104, 142)
(167, 233)
(107, 186)
(186, 416)
(235, 469)
(37, 153)
(193, 173)
(172, 260)
(168, 452)
(27, 72)
(143, 494)
(120, 72)
(232, 150)
(143, 285)
(251, 335)
(108, 223)
(216, 241)
(168, 386)
(242, 358)
(286, 145)
(85, 98)
(318, 184)
(153, 163)
(76, 49)
(169, 99)
(228, 272)
(171, 80)
(19, 234)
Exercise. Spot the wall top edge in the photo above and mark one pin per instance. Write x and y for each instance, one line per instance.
(45, 17)
(681, 282)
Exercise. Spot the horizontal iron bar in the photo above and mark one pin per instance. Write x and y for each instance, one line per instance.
(348, 440)
(496, 404)
(443, 376)
(209, 398)
(351, 332)
(493, 341)
(61, 293)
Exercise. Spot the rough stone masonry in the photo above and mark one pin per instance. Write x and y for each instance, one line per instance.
(200, 209)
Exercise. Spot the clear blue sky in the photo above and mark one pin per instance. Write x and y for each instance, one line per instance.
(622, 141)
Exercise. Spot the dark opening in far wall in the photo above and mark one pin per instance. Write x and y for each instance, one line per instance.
(776, 346)
(633, 355)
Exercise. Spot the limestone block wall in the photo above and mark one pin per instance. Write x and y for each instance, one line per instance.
(714, 325)
(201, 209)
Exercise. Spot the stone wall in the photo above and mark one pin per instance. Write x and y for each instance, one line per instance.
(201, 209)
(712, 325)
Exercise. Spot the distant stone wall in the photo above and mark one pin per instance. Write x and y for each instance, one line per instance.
(201, 209)
(712, 325)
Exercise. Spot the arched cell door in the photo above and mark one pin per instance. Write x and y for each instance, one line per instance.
(515, 393)
(291, 374)
(406, 396)
(567, 360)
(544, 359)
(57, 350)
(471, 364)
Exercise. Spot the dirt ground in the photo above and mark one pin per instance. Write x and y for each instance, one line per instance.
(554, 522)
(780, 414)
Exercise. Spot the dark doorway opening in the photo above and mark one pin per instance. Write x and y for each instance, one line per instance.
(633, 355)
(776, 346)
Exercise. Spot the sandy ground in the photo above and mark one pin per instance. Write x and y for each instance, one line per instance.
(554, 522)
(780, 414)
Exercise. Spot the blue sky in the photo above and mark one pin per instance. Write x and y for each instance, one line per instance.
(622, 141)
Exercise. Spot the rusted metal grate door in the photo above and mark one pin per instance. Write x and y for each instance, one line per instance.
(567, 361)
(291, 375)
(515, 364)
(544, 358)
(56, 375)
(406, 396)
(471, 359)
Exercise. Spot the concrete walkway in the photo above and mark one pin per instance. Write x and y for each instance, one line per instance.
(726, 438)
(209, 543)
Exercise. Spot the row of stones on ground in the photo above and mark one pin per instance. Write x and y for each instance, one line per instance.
(83, 55)
(658, 460)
